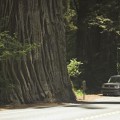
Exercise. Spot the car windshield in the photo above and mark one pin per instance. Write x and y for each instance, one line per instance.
(114, 80)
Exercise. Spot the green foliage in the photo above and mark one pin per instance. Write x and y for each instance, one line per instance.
(70, 16)
(106, 24)
(73, 68)
(105, 15)
(78, 92)
(102, 22)
(10, 47)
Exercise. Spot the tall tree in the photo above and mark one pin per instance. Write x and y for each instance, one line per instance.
(41, 75)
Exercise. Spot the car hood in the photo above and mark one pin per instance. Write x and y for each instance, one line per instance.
(111, 83)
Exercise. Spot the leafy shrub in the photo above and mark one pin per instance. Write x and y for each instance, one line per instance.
(73, 68)
(11, 47)
(78, 92)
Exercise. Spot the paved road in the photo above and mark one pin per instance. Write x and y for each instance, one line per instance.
(106, 108)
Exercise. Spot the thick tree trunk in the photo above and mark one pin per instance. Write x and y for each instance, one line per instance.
(42, 74)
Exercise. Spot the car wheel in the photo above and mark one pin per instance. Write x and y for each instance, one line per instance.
(104, 94)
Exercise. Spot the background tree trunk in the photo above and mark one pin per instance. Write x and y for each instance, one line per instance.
(42, 74)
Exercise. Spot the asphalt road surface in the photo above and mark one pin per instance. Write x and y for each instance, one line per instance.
(105, 108)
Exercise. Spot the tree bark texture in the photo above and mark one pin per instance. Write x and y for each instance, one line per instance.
(41, 75)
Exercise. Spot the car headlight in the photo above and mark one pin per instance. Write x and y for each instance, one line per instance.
(117, 86)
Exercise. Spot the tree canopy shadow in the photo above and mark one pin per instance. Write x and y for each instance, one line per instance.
(91, 105)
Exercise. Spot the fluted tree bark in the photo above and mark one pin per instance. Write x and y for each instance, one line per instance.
(41, 75)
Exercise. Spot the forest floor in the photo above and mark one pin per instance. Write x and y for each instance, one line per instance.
(88, 98)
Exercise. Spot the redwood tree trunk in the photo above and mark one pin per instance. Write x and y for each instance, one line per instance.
(42, 74)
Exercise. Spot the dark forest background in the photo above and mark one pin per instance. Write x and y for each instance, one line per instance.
(93, 37)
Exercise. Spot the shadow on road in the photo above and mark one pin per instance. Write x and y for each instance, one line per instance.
(81, 104)
(104, 102)
(92, 105)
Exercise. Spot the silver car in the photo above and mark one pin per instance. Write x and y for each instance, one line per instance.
(112, 87)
